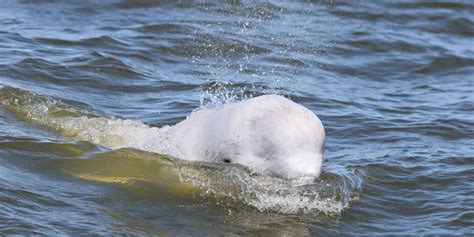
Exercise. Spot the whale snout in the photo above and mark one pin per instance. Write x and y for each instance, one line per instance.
(299, 165)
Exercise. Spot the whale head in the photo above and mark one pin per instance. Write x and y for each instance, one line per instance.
(270, 134)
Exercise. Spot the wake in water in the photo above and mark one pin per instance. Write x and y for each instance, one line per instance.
(330, 193)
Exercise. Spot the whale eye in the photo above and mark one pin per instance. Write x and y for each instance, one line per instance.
(226, 160)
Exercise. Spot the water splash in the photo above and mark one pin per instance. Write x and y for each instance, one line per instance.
(330, 194)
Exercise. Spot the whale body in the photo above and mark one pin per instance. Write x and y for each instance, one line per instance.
(269, 133)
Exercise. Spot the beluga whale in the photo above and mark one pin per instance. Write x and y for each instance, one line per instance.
(268, 133)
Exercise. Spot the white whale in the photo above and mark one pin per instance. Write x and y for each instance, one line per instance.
(269, 133)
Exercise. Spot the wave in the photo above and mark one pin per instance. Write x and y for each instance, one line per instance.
(230, 185)
(138, 160)
(166, 28)
(100, 41)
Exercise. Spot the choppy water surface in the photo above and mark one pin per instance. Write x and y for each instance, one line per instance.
(86, 84)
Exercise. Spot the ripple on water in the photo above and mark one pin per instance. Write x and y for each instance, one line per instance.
(97, 42)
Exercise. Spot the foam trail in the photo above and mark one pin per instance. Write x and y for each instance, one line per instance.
(80, 124)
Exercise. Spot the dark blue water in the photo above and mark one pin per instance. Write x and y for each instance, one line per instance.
(391, 81)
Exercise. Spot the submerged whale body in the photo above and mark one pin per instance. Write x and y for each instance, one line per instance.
(269, 133)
